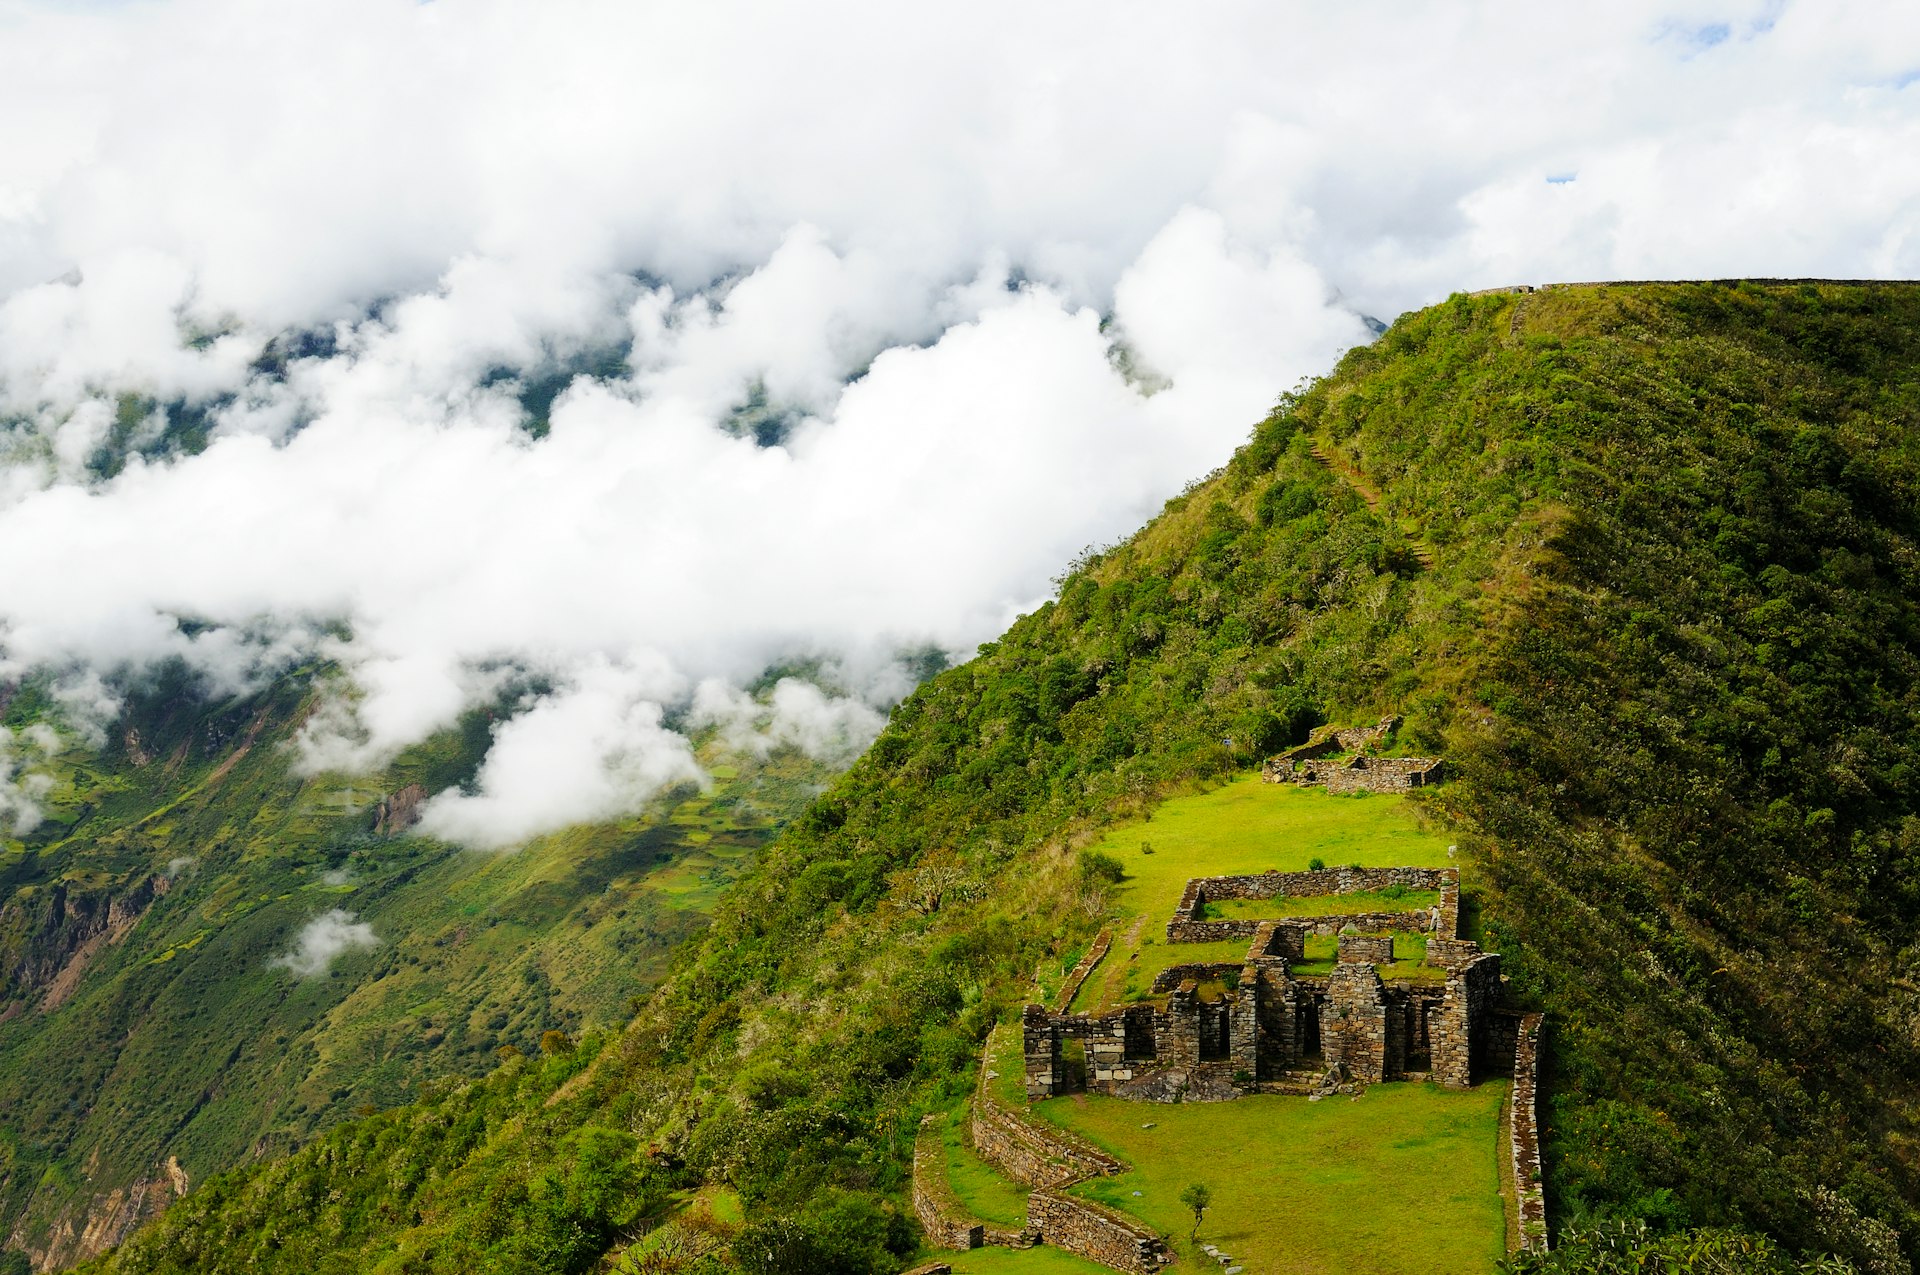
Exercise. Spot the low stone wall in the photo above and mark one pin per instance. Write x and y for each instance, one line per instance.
(1098, 1234)
(1095, 954)
(1201, 972)
(942, 1216)
(1029, 1152)
(1371, 774)
(1189, 926)
(1179, 931)
(1524, 1120)
(1370, 949)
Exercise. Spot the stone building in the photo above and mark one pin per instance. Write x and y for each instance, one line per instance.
(1347, 760)
(1261, 1025)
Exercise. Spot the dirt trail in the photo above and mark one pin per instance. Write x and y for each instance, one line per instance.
(1421, 550)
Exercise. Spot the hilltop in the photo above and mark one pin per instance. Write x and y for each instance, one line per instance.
(1640, 561)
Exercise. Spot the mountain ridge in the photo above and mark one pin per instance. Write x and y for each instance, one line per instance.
(1665, 637)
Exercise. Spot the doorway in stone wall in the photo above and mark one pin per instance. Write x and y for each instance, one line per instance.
(1307, 1029)
(1419, 1041)
(1073, 1065)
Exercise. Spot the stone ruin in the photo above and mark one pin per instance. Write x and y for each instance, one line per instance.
(1257, 1025)
(1346, 760)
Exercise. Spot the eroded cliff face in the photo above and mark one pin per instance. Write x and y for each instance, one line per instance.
(90, 1227)
(49, 934)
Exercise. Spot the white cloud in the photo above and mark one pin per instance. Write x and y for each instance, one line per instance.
(22, 789)
(323, 940)
(818, 206)
(797, 715)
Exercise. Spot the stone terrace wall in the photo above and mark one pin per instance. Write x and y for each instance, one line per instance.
(1098, 1234)
(1524, 1120)
(1188, 927)
(1027, 1151)
(1200, 972)
(942, 1216)
(1095, 954)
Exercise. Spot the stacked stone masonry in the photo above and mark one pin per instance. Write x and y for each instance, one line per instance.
(1189, 923)
(1098, 1234)
(1323, 761)
(1524, 1121)
(942, 1216)
(1095, 954)
(1225, 1029)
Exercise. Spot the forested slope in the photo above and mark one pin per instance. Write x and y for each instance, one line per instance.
(154, 1026)
(1643, 565)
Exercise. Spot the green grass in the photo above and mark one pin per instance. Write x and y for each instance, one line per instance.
(1321, 905)
(1403, 1179)
(1032, 1261)
(986, 1194)
(1243, 826)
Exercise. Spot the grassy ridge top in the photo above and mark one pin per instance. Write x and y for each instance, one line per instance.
(1641, 560)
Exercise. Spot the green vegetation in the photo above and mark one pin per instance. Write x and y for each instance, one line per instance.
(1243, 826)
(1032, 1261)
(183, 1038)
(1645, 567)
(979, 1186)
(1389, 900)
(1401, 1180)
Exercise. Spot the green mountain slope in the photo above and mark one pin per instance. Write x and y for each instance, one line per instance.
(153, 1031)
(1640, 559)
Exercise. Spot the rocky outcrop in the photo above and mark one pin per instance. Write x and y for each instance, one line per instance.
(396, 812)
(86, 1230)
(50, 934)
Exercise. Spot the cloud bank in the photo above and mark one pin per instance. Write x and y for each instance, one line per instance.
(841, 326)
(323, 940)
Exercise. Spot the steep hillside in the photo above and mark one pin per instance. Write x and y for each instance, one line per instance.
(160, 1020)
(1640, 559)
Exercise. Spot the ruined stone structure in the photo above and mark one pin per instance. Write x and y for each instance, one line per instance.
(1096, 1233)
(1346, 760)
(1189, 923)
(1524, 1123)
(1047, 1159)
(1258, 1025)
(942, 1216)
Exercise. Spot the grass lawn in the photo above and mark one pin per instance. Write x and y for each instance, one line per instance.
(1321, 905)
(1033, 1261)
(986, 1194)
(1244, 826)
(1403, 1179)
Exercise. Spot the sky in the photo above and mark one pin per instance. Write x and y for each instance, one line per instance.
(995, 282)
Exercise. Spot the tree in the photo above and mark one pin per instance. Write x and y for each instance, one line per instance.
(1197, 1197)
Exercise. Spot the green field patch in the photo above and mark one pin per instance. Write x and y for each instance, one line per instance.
(985, 1192)
(1403, 1180)
(1013, 1261)
(1242, 827)
(1285, 906)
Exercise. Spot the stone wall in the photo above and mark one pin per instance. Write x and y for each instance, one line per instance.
(1457, 1025)
(1370, 949)
(1095, 954)
(1028, 1151)
(1452, 953)
(1524, 1121)
(1353, 1028)
(1201, 972)
(1370, 774)
(1098, 1234)
(942, 1216)
(1188, 925)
